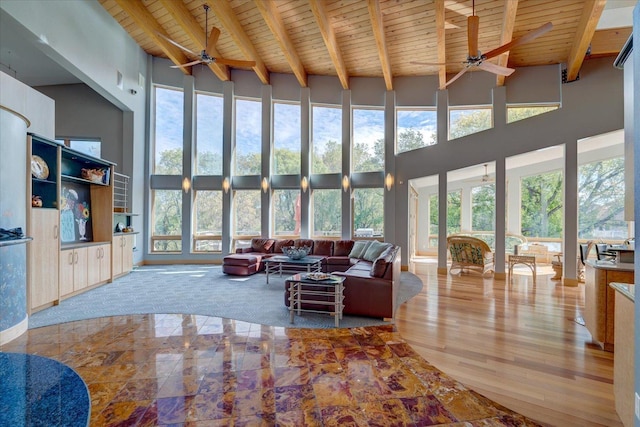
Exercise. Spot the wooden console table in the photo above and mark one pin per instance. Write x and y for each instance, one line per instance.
(599, 299)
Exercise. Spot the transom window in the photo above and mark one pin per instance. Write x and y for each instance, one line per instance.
(464, 121)
(415, 128)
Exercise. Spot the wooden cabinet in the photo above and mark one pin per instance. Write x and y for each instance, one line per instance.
(599, 299)
(122, 254)
(73, 270)
(43, 258)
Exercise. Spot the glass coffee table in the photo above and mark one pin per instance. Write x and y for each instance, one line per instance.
(319, 289)
(283, 264)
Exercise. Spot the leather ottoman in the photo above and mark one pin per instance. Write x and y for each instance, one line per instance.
(241, 264)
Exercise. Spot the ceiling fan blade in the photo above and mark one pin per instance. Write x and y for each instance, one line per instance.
(176, 44)
(473, 25)
(188, 64)
(495, 69)
(236, 63)
(517, 42)
(456, 77)
(213, 39)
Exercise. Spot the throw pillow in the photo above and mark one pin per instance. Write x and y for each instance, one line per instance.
(374, 250)
(380, 265)
(359, 248)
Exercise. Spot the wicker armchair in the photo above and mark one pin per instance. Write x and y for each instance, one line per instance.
(469, 253)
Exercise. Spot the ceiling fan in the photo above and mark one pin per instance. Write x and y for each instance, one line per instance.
(484, 179)
(206, 55)
(478, 59)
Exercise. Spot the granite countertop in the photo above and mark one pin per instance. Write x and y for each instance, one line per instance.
(626, 289)
(610, 265)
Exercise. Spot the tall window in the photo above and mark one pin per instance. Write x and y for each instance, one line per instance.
(207, 221)
(286, 212)
(168, 140)
(483, 208)
(166, 231)
(454, 212)
(415, 129)
(520, 112)
(326, 139)
(246, 213)
(286, 138)
(248, 131)
(601, 200)
(368, 140)
(433, 221)
(465, 121)
(542, 205)
(209, 122)
(327, 213)
(368, 212)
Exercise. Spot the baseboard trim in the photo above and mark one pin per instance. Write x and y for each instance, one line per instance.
(15, 331)
(443, 270)
(500, 276)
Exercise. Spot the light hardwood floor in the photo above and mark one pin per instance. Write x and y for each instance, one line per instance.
(514, 341)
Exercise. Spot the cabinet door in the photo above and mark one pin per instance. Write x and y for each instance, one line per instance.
(117, 255)
(80, 268)
(43, 256)
(105, 263)
(66, 272)
(127, 254)
(94, 264)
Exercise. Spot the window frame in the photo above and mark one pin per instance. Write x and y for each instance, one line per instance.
(468, 108)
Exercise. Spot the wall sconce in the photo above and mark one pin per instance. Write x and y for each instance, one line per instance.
(265, 184)
(304, 184)
(186, 184)
(388, 181)
(345, 183)
(226, 185)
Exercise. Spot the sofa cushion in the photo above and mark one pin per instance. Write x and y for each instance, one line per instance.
(281, 243)
(342, 247)
(323, 247)
(359, 248)
(298, 243)
(261, 245)
(374, 250)
(380, 265)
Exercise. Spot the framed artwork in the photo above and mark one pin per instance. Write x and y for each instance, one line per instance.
(75, 213)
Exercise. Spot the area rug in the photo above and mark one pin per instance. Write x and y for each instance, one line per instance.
(198, 289)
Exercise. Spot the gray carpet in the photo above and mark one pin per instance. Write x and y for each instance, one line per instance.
(200, 289)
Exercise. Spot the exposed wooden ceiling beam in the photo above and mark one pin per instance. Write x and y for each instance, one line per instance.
(145, 20)
(508, 23)
(591, 12)
(273, 19)
(441, 44)
(230, 21)
(318, 8)
(190, 26)
(378, 32)
(609, 42)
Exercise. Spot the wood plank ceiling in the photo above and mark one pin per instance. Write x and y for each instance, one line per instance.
(367, 38)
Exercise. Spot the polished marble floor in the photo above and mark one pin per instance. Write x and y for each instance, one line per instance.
(172, 369)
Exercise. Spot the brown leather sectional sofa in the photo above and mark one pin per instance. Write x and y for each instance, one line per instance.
(371, 269)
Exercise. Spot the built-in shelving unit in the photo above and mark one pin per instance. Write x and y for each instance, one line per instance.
(71, 221)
